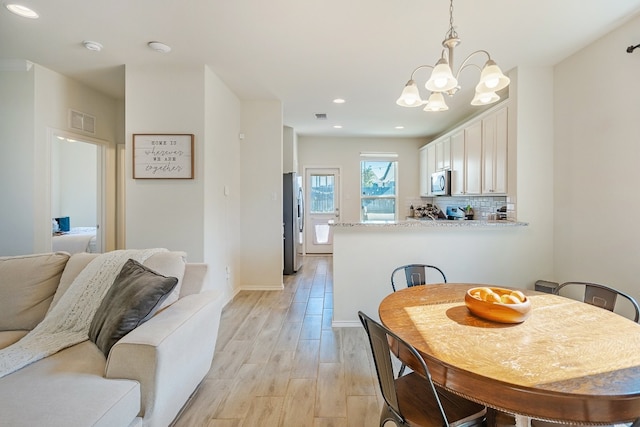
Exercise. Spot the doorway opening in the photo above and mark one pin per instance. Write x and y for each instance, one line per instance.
(322, 205)
(77, 193)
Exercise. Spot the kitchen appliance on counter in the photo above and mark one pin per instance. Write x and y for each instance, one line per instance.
(456, 213)
(292, 221)
(441, 183)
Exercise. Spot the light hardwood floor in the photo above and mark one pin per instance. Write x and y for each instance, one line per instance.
(278, 361)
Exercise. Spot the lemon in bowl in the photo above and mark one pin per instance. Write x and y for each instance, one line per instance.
(498, 304)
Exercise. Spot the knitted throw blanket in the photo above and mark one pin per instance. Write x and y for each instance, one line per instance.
(68, 322)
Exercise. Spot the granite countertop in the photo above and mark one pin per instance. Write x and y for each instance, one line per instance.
(429, 223)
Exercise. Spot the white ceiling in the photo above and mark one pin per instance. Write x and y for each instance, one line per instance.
(306, 53)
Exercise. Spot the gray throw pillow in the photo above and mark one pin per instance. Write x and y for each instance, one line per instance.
(134, 297)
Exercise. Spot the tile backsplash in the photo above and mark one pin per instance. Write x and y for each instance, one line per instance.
(482, 206)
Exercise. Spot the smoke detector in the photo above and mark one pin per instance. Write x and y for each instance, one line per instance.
(95, 46)
(159, 47)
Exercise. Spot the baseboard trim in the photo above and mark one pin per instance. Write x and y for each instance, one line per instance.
(345, 324)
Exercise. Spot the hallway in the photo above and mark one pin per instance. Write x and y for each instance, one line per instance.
(278, 362)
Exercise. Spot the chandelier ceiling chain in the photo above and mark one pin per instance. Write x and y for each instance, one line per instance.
(442, 79)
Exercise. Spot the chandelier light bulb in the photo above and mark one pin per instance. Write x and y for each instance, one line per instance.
(492, 83)
(436, 103)
(491, 78)
(485, 98)
(441, 79)
(410, 95)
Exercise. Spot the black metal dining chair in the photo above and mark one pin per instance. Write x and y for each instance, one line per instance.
(601, 296)
(416, 274)
(413, 399)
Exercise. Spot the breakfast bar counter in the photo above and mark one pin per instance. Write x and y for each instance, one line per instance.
(364, 255)
(421, 223)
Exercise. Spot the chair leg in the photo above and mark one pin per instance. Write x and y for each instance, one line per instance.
(387, 415)
(401, 371)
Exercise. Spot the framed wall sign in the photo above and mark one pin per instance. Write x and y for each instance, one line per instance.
(162, 156)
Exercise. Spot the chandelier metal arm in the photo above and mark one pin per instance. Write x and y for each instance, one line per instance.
(468, 58)
(419, 68)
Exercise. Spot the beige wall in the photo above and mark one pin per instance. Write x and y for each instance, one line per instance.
(345, 152)
(260, 214)
(38, 103)
(17, 211)
(166, 213)
(596, 168)
(222, 159)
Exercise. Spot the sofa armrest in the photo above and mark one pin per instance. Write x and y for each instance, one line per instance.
(169, 355)
(194, 278)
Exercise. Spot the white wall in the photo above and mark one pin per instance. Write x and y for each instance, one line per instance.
(37, 102)
(597, 155)
(16, 162)
(532, 99)
(75, 183)
(261, 188)
(345, 152)
(222, 171)
(289, 150)
(167, 213)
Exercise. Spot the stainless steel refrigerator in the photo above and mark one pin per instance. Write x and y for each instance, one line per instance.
(293, 221)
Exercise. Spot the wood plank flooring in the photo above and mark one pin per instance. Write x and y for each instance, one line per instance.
(278, 362)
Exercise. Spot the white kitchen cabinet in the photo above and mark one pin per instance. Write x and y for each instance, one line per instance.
(427, 167)
(424, 177)
(466, 160)
(494, 152)
(457, 163)
(443, 154)
(431, 164)
(473, 158)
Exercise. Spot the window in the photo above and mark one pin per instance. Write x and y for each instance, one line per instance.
(322, 194)
(378, 190)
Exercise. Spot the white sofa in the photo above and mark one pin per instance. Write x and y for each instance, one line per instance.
(149, 374)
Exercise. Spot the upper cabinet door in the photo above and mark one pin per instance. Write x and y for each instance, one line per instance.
(424, 173)
(457, 164)
(473, 158)
(494, 152)
(443, 154)
(431, 164)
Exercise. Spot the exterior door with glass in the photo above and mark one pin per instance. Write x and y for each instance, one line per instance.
(322, 206)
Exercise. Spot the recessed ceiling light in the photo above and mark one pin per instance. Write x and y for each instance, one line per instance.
(23, 11)
(399, 127)
(339, 101)
(337, 126)
(159, 47)
(95, 46)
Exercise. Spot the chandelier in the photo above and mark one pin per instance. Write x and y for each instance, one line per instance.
(443, 81)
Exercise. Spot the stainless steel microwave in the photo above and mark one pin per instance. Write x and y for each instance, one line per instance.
(441, 183)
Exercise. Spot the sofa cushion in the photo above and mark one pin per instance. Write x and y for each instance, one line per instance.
(74, 266)
(27, 286)
(9, 337)
(134, 297)
(170, 264)
(68, 389)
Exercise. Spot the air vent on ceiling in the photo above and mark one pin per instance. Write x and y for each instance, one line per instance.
(82, 121)
(321, 116)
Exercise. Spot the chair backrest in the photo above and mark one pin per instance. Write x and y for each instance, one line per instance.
(602, 296)
(381, 340)
(416, 274)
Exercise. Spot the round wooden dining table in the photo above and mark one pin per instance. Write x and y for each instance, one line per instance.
(568, 361)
